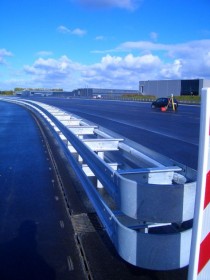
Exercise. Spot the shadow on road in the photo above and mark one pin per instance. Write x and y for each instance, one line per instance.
(19, 259)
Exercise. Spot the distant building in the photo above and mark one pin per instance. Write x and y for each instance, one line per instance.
(26, 92)
(94, 92)
(80, 92)
(163, 88)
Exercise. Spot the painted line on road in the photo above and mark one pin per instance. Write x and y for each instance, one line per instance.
(149, 130)
(159, 133)
(70, 263)
(61, 224)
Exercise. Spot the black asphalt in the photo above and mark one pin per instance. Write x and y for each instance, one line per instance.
(36, 238)
(173, 134)
(48, 227)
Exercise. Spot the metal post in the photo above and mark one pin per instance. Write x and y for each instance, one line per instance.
(199, 267)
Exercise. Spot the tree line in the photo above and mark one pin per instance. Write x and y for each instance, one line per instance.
(38, 89)
(6, 92)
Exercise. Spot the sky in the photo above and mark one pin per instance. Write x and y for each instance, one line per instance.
(112, 44)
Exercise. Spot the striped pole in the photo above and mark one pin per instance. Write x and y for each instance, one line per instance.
(199, 267)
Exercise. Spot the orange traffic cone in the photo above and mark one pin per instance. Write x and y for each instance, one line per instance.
(163, 109)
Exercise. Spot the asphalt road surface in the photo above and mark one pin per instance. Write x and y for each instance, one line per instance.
(173, 134)
(36, 238)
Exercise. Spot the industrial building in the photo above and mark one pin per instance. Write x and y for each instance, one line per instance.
(164, 88)
(91, 92)
(80, 92)
(31, 92)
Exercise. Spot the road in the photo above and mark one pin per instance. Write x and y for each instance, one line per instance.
(41, 237)
(36, 238)
(173, 134)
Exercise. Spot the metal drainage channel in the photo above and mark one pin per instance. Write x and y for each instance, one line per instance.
(146, 211)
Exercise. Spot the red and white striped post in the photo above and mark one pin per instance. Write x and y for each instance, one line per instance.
(199, 267)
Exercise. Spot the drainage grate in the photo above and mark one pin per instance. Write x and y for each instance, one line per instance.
(82, 223)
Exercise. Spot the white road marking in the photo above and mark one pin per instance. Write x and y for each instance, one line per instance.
(70, 263)
(62, 224)
(182, 139)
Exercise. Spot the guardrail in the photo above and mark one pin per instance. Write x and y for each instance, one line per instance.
(150, 206)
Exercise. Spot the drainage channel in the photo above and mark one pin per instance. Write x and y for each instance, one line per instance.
(80, 222)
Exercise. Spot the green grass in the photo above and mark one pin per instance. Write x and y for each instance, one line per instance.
(138, 97)
(188, 98)
(183, 98)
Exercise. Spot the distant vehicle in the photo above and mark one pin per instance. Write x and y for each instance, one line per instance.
(164, 102)
(98, 96)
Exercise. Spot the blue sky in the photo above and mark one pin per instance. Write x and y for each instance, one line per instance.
(72, 44)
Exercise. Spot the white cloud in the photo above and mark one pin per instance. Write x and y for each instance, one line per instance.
(122, 72)
(123, 4)
(193, 56)
(4, 53)
(49, 66)
(155, 61)
(153, 36)
(111, 71)
(172, 70)
(63, 29)
(44, 53)
(186, 49)
(76, 31)
(100, 38)
(60, 72)
(143, 45)
(143, 61)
